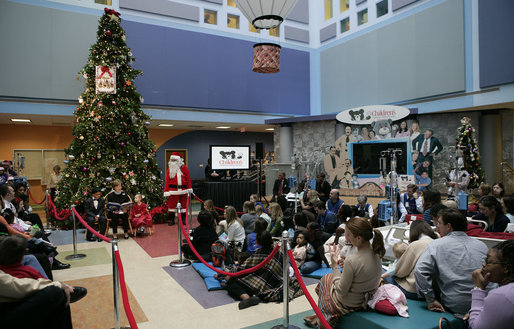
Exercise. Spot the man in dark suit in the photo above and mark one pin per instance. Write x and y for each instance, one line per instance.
(95, 213)
(281, 187)
(428, 146)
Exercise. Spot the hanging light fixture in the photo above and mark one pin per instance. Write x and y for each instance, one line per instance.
(266, 58)
(265, 14)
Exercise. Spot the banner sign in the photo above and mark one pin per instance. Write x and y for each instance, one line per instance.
(226, 157)
(365, 115)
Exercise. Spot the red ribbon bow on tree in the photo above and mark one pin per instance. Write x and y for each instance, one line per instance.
(111, 12)
(104, 69)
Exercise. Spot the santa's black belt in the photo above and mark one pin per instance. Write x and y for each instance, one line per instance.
(177, 186)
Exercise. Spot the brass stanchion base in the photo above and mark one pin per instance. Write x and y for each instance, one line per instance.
(281, 326)
(123, 328)
(75, 256)
(177, 263)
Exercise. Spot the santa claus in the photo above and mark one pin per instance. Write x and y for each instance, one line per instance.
(177, 185)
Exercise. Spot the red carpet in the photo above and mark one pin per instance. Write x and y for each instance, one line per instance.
(163, 241)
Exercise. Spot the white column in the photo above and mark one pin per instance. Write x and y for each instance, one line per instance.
(286, 144)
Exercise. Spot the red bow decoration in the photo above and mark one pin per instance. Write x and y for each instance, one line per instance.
(111, 12)
(104, 69)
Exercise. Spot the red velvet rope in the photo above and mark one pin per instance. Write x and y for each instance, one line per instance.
(32, 198)
(197, 198)
(124, 295)
(315, 307)
(89, 228)
(243, 272)
(53, 209)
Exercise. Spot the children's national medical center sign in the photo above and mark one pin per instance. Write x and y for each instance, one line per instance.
(365, 115)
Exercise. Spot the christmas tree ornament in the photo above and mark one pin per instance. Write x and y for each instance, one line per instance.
(108, 33)
(71, 157)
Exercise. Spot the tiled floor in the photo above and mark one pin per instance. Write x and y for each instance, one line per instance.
(158, 300)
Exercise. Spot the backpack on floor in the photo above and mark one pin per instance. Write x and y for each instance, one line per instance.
(219, 253)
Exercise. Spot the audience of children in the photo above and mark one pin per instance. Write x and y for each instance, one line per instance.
(276, 226)
(202, 237)
(300, 250)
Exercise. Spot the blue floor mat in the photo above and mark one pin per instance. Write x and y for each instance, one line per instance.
(208, 276)
(319, 272)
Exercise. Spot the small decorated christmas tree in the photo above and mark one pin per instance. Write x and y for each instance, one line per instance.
(110, 134)
(466, 143)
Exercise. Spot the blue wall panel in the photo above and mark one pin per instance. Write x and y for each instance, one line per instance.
(197, 145)
(496, 42)
(189, 69)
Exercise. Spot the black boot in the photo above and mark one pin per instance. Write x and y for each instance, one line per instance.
(171, 217)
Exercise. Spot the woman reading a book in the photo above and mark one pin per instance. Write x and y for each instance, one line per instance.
(118, 206)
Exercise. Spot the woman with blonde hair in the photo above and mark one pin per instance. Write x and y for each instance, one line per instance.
(276, 226)
(235, 230)
(307, 204)
(414, 131)
(341, 293)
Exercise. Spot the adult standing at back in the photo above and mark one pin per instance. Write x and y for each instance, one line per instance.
(280, 187)
(449, 261)
(322, 187)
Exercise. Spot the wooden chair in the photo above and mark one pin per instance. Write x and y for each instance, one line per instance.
(131, 231)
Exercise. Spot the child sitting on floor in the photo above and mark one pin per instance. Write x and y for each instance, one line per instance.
(398, 250)
(12, 250)
(139, 215)
(300, 251)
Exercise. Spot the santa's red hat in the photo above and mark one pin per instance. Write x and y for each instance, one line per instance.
(176, 156)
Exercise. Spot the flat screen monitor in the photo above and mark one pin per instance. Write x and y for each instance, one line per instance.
(228, 157)
(366, 157)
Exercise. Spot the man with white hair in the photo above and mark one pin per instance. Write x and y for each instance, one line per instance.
(177, 185)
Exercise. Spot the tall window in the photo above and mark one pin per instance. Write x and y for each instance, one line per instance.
(231, 3)
(345, 5)
(210, 17)
(275, 32)
(382, 8)
(345, 24)
(233, 21)
(328, 9)
(362, 17)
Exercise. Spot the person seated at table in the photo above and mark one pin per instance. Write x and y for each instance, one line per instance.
(95, 213)
(202, 237)
(494, 309)
(341, 293)
(411, 203)
(448, 261)
(491, 211)
(118, 196)
(363, 205)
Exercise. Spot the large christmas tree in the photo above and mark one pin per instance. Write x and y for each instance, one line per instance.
(110, 130)
(466, 143)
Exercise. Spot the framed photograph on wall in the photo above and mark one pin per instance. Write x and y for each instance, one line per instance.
(169, 152)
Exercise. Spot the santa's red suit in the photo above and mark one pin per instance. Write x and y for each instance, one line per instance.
(177, 184)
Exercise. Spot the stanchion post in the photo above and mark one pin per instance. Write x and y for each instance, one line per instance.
(75, 255)
(180, 262)
(47, 204)
(285, 284)
(116, 284)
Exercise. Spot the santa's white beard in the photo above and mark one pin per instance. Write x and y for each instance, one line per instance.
(174, 168)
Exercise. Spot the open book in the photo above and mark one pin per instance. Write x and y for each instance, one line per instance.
(114, 206)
